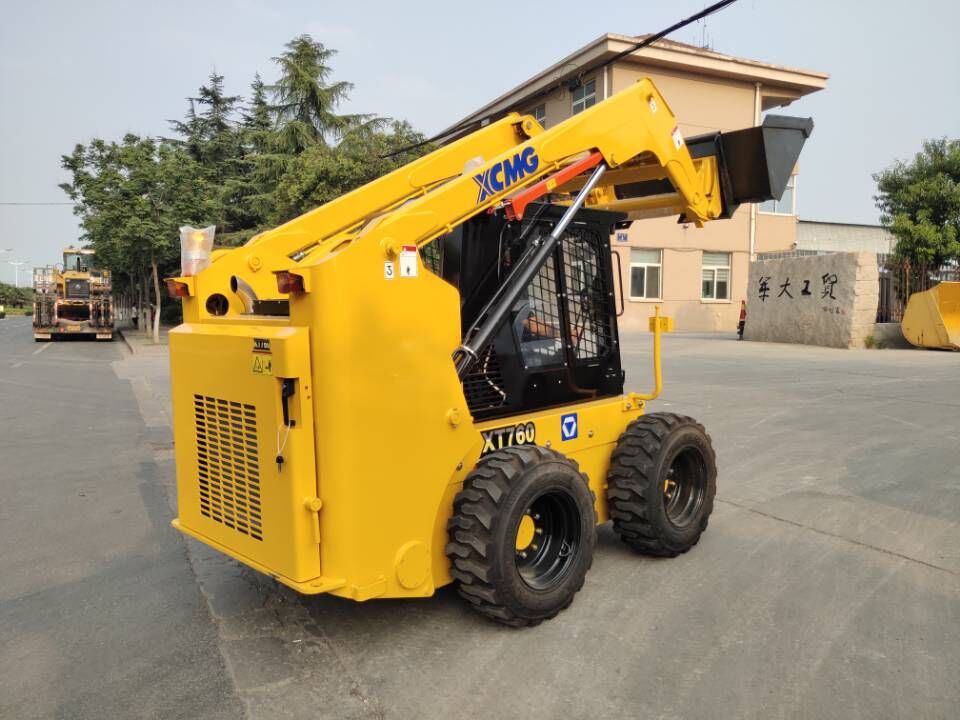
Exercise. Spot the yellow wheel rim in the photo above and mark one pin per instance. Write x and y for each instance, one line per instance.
(525, 532)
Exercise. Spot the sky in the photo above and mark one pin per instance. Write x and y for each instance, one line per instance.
(70, 71)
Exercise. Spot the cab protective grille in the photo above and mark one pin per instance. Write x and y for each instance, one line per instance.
(228, 466)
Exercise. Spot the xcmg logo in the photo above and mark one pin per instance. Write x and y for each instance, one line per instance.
(505, 173)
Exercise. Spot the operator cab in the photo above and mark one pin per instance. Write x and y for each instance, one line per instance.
(559, 343)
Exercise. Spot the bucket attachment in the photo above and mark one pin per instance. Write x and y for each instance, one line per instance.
(754, 164)
(932, 317)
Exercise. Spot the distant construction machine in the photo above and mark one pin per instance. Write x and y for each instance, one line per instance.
(932, 317)
(75, 300)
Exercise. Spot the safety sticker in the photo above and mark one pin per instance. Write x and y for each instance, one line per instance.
(504, 437)
(262, 365)
(568, 426)
(408, 261)
(677, 138)
(389, 272)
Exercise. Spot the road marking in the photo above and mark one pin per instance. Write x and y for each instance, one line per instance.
(902, 421)
(769, 417)
(16, 365)
(42, 348)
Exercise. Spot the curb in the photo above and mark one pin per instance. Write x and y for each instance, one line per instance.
(136, 347)
(126, 342)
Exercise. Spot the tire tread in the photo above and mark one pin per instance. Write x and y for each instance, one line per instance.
(470, 529)
(631, 475)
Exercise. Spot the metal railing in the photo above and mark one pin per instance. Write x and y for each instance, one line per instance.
(899, 278)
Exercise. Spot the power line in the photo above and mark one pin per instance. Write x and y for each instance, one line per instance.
(36, 203)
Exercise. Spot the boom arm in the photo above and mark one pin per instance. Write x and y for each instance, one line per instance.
(650, 170)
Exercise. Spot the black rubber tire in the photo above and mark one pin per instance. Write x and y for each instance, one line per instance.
(483, 530)
(639, 468)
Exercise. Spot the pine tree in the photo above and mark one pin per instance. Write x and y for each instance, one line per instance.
(305, 102)
(258, 117)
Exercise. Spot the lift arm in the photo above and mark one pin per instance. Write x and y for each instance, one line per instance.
(649, 169)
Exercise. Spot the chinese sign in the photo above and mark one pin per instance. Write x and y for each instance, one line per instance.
(828, 279)
(818, 300)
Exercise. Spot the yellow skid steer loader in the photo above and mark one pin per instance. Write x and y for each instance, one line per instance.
(419, 383)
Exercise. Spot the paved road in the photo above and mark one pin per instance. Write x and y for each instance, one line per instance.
(827, 586)
(100, 613)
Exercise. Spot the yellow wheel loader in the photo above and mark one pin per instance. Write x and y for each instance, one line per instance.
(74, 301)
(419, 383)
(932, 317)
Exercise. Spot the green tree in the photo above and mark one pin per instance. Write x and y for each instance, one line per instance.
(305, 102)
(247, 195)
(15, 297)
(212, 137)
(209, 134)
(242, 166)
(131, 198)
(321, 173)
(920, 203)
(257, 120)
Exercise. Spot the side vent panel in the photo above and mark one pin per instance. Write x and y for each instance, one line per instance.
(228, 466)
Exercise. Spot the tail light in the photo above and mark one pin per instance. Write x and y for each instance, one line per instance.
(177, 289)
(289, 283)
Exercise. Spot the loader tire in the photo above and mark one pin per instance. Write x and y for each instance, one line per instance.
(661, 484)
(522, 535)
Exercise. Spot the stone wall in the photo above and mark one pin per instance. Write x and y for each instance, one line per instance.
(826, 300)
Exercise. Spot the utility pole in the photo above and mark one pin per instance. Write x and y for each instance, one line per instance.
(16, 264)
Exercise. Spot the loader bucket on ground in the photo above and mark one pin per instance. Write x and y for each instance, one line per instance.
(932, 317)
(755, 163)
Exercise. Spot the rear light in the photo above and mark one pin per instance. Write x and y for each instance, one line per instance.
(177, 289)
(289, 283)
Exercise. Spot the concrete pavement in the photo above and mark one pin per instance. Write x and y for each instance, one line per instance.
(827, 586)
(100, 614)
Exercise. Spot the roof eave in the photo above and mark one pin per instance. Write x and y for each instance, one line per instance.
(795, 82)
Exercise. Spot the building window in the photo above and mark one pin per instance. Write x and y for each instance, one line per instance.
(585, 96)
(645, 266)
(715, 284)
(540, 114)
(786, 205)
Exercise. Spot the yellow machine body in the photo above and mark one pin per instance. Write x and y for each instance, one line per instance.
(381, 443)
(75, 300)
(350, 493)
(932, 317)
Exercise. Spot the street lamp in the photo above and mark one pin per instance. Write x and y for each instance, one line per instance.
(16, 264)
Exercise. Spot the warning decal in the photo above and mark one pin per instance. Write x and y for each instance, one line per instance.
(408, 261)
(263, 365)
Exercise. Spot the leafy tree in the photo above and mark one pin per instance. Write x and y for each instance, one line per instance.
(305, 102)
(258, 117)
(241, 166)
(211, 137)
(321, 173)
(247, 195)
(920, 202)
(15, 297)
(209, 134)
(131, 198)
